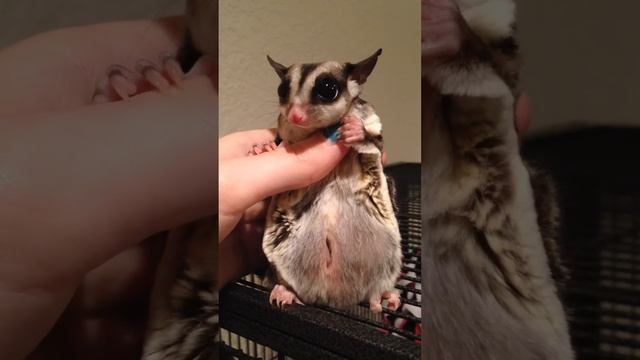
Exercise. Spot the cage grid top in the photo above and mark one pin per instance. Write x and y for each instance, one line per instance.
(319, 332)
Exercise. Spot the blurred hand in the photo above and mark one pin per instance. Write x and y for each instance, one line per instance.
(81, 186)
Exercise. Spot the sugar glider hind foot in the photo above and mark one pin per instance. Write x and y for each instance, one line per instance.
(281, 295)
(392, 297)
(122, 83)
(258, 149)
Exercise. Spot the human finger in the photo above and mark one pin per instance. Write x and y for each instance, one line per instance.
(239, 143)
(242, 181)
(59, 70)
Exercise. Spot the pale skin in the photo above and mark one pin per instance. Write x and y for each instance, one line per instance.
(68, 167)
(107, 174)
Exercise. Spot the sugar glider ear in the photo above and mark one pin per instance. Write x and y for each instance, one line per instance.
(360, 71)
(280, 69)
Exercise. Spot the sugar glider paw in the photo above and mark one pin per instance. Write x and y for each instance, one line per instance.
(121, 83)
(352, 131)
(393, 299)
(281, 296)
(375, 304)
(263, 148)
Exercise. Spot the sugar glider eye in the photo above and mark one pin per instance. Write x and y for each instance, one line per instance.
(326, 89)
(283, 90)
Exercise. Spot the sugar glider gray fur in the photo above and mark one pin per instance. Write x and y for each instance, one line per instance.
(183, 318)
(336, 242)
(489, 246)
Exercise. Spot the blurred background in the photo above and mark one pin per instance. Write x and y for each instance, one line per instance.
(22, 18)
(582, 71)
(581, 62)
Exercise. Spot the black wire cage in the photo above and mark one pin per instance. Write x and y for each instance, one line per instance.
(253, 329)
(598, 178)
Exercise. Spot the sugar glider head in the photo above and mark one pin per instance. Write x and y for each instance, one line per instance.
(314, 96)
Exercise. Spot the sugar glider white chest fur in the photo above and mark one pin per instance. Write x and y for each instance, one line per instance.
(336, 242)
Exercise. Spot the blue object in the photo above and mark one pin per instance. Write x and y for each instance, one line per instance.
(331, 132)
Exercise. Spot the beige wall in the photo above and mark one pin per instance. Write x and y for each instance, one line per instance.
(21, 18)
(294, 31)
(582, 61)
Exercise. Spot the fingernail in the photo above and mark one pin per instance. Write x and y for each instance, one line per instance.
(331, 132)
(143, 65)
(172, 67)
(122, 86)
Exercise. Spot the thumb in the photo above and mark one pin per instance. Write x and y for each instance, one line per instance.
(247, 180)
(206, 65)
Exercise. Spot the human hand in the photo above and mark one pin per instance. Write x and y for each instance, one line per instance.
(246, 182)
(79, 185)
(59, 69)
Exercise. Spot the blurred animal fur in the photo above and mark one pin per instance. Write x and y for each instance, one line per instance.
(490, 257)
(183, 321)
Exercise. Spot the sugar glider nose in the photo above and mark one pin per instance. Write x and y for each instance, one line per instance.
(298, 116)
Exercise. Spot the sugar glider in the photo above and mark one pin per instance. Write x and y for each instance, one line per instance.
(336, 242)
(489, 243)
